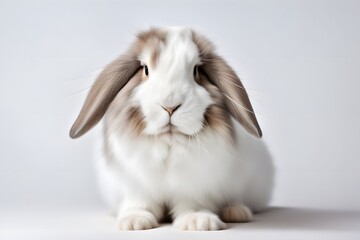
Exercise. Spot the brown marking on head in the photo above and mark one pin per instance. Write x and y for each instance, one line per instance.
(155, 56)
(144, 36)
(225, 79)
(153, 40)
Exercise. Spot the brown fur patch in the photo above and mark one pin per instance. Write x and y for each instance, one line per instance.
(205, 47)
(155, 55)
(136, 120)
(153, 39)
(216, 116)
(152, 33)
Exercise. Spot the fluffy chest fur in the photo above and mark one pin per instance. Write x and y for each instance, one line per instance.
(167, 166)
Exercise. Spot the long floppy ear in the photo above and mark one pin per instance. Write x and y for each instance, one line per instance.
(236, 98)
(112, 79)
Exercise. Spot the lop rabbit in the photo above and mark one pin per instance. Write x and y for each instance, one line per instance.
(180, 136)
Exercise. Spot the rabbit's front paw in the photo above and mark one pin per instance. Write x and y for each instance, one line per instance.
(199, 221)
(139, 220)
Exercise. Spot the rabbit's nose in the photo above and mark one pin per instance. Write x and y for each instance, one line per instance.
(171, 110)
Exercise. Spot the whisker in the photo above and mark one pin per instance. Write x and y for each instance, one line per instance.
(78, 92)
(200, 136)
(87, 75)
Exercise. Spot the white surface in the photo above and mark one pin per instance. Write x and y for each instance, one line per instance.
(277, 223)
(298, 59)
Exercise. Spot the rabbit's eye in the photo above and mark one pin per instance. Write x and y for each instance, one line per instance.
(195, 70)
(146, 70)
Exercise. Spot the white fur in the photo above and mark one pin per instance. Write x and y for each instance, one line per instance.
(195, 177)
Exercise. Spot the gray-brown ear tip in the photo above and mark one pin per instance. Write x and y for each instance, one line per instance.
(259, 133)
(73, 133)
(256, 133)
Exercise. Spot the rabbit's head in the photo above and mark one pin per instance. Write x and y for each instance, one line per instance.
(170, 81)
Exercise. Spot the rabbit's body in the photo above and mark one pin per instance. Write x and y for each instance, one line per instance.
(206, 172)
(172, 139)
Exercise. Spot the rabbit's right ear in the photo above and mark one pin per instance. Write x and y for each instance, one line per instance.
(224, 77)
(112, 79)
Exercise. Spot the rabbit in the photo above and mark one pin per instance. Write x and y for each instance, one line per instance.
(180, 137)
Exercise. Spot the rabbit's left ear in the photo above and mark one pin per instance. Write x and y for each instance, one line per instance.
(236, 98)
(112, 79)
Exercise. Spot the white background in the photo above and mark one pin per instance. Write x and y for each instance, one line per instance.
(300, 61)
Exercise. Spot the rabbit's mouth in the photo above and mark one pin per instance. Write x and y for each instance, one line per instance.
(169, 129)
(172, 130)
